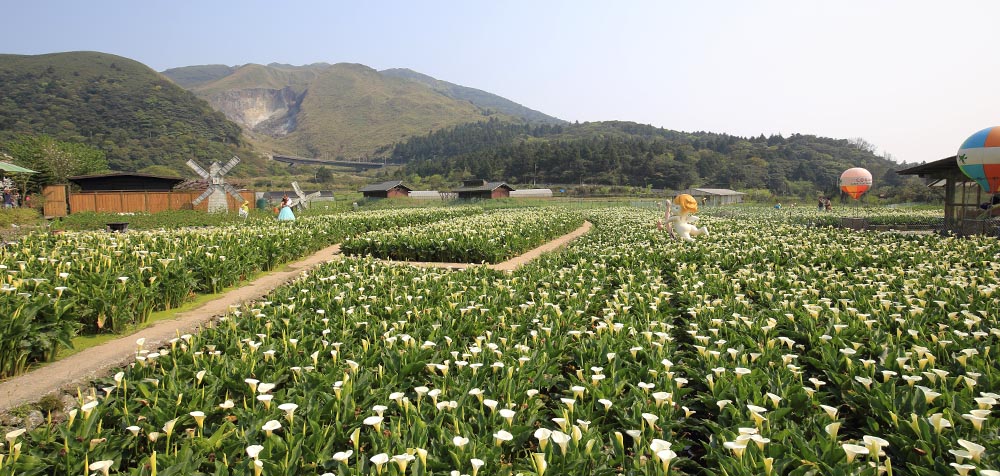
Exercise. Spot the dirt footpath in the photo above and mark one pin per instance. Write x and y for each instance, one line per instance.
(98, 361)
(78, 369)
(513, 263)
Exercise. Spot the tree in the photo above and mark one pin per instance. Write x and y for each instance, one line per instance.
(55, 160)
(323, 175)
(861, 144)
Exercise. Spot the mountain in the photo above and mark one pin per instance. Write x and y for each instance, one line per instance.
(137, 117)
(342, 110)
(626, 153)
(193, 76)
(478, 97)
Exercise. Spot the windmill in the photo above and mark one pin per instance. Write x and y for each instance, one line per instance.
(217, 186)
(303, 199)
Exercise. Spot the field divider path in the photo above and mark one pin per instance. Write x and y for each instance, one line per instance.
(513, 263)
(78, 369)
(97, 361)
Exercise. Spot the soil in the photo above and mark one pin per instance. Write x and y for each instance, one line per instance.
(66, 376)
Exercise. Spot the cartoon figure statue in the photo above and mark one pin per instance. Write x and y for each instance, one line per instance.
(679, 218)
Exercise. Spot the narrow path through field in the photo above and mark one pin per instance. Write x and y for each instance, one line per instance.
(99, 360)
(513, 263)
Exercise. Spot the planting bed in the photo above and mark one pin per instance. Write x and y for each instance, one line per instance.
(487, 238)
(764, 349)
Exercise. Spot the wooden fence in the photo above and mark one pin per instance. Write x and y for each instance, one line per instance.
(128, 201)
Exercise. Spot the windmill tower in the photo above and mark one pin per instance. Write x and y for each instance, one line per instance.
(217, 186)
(303, 200)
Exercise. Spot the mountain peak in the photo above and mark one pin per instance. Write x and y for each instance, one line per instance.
(344, 109)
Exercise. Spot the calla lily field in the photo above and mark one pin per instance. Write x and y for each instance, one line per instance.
(771, 347)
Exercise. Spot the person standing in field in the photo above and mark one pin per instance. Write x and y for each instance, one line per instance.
(285, 214)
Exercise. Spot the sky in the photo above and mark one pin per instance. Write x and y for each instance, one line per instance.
(911, 77)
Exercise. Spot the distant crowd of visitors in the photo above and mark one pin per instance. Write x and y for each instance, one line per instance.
(12, 199)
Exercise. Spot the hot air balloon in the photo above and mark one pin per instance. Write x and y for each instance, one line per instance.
(979, 158)
(855, 182)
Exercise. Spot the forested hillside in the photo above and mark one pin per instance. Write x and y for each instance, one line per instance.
(135, 116)
(625, 153)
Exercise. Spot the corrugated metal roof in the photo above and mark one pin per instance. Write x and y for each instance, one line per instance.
(947, 166)
(489, 187)
(424, 194)
(531, 192)
(125, 174)
(384, 186)
(697, 192)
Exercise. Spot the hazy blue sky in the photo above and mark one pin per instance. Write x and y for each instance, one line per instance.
(913, 77)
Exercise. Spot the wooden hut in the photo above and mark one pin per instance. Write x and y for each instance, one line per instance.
(481, 189)
(962, 197)
(391, 189)
(126, 192)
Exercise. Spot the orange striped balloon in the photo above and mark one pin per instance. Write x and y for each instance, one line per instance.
(855, 182)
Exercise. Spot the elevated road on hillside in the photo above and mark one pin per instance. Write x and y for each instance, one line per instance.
(291, 160)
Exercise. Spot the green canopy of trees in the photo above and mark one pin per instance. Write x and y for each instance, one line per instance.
(625, 153)
(53, 160)
(136, 117)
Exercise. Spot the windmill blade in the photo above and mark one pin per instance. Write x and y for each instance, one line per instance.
(312, 196)
(294, 202)
(197, 169)
(229, 165)
(208, 191)
(298, 191)
(232, 191)
(305, 199)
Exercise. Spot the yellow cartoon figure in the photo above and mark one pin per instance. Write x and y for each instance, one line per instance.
(680, 220)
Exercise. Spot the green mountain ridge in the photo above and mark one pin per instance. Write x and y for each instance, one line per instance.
(136, 116)
(329, 111)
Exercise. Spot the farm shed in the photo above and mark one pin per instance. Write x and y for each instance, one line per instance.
(715, 196)
(391, 189)
(126, 193)
(531, 193)
(479, 188)
(962, 197)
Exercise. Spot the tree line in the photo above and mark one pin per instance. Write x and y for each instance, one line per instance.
(626, 153)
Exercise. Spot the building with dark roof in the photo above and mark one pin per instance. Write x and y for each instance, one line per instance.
(481, 189)
(125, 181)
(390, 189)
(962, 197)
